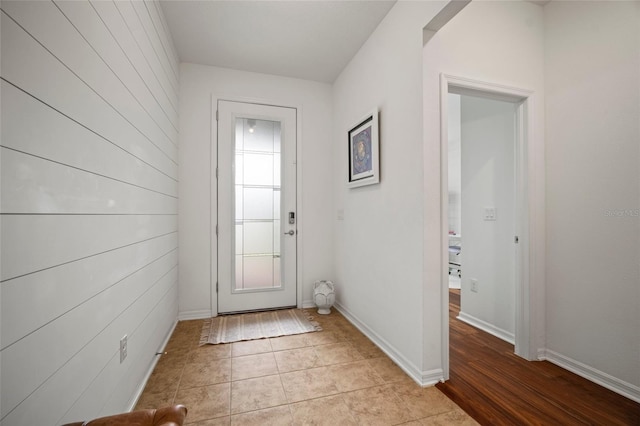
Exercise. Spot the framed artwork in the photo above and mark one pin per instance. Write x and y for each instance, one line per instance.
(364, 162)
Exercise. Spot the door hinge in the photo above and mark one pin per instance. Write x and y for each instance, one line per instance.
(516, 239)
(216, 286)
(216, 230)
(216, 173)
(217, 115)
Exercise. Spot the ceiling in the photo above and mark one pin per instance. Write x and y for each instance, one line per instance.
(311, 40)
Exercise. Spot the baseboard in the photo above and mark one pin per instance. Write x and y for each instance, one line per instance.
(431, 377)
(138, 393)
(542, 354)
(194, 315)
(489, 328)
(423, 378)
(308, 304)
(614, 384)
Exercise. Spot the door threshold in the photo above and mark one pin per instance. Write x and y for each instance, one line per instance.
(257, 310)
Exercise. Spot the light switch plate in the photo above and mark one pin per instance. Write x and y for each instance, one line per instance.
(489, 213)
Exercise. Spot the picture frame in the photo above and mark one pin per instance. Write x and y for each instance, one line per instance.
(363, 147)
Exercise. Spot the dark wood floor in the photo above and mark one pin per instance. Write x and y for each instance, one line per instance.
(498, 388)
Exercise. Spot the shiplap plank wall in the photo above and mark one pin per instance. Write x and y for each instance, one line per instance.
(89, 192)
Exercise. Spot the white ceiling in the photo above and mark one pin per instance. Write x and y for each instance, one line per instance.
(312, 40)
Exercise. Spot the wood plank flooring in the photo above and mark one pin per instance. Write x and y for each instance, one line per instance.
(496, 387)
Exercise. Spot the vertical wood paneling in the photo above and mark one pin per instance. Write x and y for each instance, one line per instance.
(88, 207)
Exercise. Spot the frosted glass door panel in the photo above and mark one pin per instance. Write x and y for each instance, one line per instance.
(258, 169)
(258, 204)
(239, 203)
(239, 239)
(276, 170)
(258, 238)
(260, 135)
(258, 272)
(257, 215)
(239, 166)
(276, 204)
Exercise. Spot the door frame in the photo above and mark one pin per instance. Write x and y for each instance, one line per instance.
(213, 186)
(529, 174)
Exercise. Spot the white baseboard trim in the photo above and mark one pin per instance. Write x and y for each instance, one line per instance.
(423, 378)
(431, 377)
(489, 328)
(194, 315)
(614, 384)
(308, 304)
(136, 396)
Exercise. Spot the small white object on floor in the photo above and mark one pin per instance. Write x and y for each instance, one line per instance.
(324, 296)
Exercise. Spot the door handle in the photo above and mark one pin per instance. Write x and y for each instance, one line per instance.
(291, 232)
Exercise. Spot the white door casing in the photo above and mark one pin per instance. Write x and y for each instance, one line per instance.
(530, 248)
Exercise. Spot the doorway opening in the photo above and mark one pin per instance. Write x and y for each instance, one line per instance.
(511, 207)
(481, 172)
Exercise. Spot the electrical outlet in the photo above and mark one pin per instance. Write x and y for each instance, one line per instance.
(474, 285)
(123, 348)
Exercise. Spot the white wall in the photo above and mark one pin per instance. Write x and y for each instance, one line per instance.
(501, 43)
(1, 130)
(379, 244)
(198, 83)
(89, 203)
(454, 170)
(488, 181)
(592, 69)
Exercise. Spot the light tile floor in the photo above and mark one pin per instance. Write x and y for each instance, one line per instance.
(333, 377)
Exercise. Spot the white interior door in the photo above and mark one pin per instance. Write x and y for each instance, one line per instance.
(257, 215)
